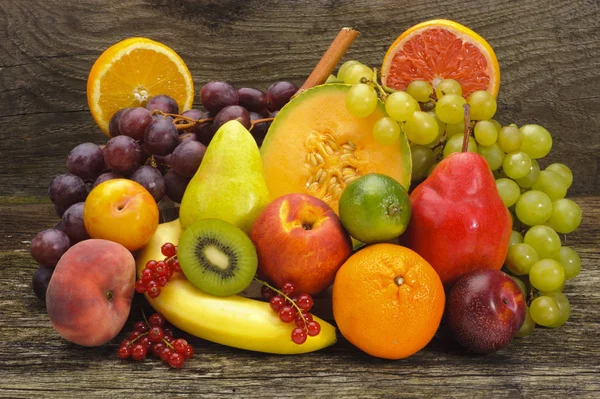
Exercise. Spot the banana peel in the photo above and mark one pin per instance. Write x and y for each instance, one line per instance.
(235, 321)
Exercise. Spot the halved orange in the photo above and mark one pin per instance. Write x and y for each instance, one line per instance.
(441, 49)
(131, 71)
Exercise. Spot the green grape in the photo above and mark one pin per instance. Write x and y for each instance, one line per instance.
(455, 143)
(448, 86)
(441, 129)
(455, 128)
(419, 90)
(485, 133)
(537, 141)
(450, 108)
(520, 283)
(509, 191)
(564, 171)
(431, 168)
(532, 176)
(361, 100)
(533, 208)
(345, 66)
(516, 164)
(552, 184)
(386, 131)
(497, 124)
(483, 105)
(420, 128)
(563, 306)
(570, 261)
(356, 73)
(332, 79)
(528, 325)
(565, 217)
(400, 106)
(493, 155)
(422, 159)
(515, 238)
(520, 258)
(546, 275)
(543, 239)
(544, 311)
(510, 138)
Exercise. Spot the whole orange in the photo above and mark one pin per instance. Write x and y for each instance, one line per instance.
(388, 301)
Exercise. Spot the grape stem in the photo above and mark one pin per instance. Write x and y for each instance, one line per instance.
(285, 296)
(257, 121)
(465, 145)
(178, 118)
(383, 94)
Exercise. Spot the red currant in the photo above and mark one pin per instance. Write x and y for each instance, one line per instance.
(124, 352)
(176, 360)
(146, 342)
(288, 288)
(140, 286)
(155, 334)
(179, 345)
(301, 322)
(138, 352)
(298, 335)
(157, 349)
(276, 303)
(304, 302)
(189, 351)
(287, 314)
(134, 335)
(161, 269)
(313, 328)
(168, 331)
(168, 249)
(157, 320)
(140, 326)
(266, 292)
(153, 289)
(162, 281)
(151, 264)
(176, 266)
(147, 275)
(166, 353)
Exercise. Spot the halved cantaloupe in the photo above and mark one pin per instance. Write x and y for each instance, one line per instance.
(315, 146)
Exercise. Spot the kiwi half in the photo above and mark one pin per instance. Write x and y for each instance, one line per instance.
(217, 257)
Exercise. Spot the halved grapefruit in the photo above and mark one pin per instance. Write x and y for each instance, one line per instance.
(441, 49)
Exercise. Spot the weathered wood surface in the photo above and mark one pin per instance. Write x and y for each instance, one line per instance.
(549, 53)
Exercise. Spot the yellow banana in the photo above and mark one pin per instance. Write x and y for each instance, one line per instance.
(234, 321)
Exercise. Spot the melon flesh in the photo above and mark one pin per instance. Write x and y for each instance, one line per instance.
(315, 146)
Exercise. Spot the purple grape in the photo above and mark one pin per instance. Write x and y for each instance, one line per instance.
(73, 224)
(271, 115)
(106, 176)
(113, 125)
(163, 103)
(134, 122)
(279, 93)
(187, 158)
(122, 154)
(86, 161)
(60, 211)
(175, 185)
(194, 114)
(163, 160)
(205, 132)
(253, 100)
(187, 137)
(48, 246)
(215, 96)
(230, 113)
(161, 137)
(259, 130)
(67, 189)
(151, 179)
(41, 279)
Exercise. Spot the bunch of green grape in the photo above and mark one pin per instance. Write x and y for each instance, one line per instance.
(433, 120)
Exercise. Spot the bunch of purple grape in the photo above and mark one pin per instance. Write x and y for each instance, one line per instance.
(154, 146)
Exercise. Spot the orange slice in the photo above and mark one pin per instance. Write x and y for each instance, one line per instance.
(128, 73)
(441, 49)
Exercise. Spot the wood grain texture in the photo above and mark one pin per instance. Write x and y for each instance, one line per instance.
(549, 53)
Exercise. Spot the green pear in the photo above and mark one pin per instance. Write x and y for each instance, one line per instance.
(229, 184)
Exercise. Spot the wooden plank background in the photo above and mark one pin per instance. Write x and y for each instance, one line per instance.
(549, 53)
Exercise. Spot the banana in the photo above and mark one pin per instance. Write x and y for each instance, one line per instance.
(233, 321)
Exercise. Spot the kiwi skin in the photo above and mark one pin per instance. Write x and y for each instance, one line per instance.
(217, 257)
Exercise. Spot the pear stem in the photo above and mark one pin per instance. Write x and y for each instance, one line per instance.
(465, 145)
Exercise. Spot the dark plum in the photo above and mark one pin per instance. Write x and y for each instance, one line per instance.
(216, 95)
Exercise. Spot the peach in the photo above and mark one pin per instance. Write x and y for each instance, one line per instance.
(89, 296)
(300, 239)
(122, 211)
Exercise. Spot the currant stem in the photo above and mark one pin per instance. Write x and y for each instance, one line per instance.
(283, 295)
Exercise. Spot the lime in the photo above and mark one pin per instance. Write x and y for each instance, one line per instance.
(375, 208)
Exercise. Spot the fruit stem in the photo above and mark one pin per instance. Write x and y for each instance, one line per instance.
(178, 118)
(330, 58)
(285, 296)
(257, 121)
(465, 145)
(382, 92)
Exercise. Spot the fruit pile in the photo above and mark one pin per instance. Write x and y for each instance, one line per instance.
(296, 192)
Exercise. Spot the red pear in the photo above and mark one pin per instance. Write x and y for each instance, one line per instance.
(459, 222)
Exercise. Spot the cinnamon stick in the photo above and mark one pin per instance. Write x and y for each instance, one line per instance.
(331, 58)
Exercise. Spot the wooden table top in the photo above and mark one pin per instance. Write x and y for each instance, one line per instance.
(549, 54)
